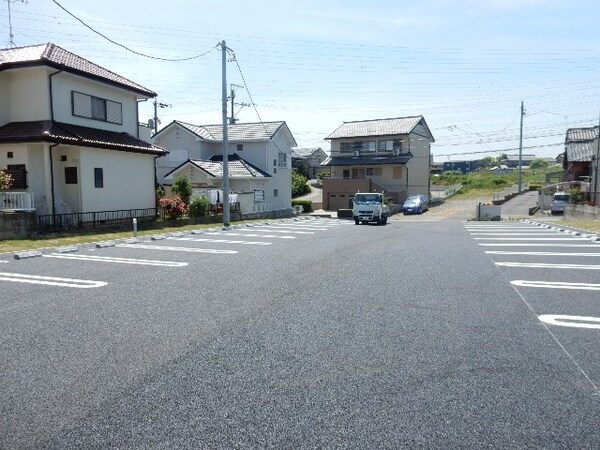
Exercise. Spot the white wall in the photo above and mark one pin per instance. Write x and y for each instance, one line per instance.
(64, 83)
(4, 99)
(28, 94)
(128, 180)
(184, 145)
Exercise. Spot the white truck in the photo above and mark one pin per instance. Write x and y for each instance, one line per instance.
(369, 207)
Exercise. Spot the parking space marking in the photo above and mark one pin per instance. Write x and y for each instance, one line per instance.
(531, 233)
(571, 321)
(222, 241)
(109, 259)
(590, 245)
(557, 285)
(270, 236)
(51, 281)
(277, 230)
(549, 266)
(530, 239)
(506, 252)
(178, 249)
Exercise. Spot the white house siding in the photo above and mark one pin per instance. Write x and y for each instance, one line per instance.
(182, 146)
(4, 99)
(64, 83)
(418, 165)
(124, 188)
(28, 95)
(67, 193)
(36, 170)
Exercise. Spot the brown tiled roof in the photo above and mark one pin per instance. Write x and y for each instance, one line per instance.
(54, 56)
(378, 127)
(63, 133)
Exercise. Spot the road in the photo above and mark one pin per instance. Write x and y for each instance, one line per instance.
(316, 333)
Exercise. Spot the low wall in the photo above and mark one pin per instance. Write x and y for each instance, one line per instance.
(582, 210)
(17, 224)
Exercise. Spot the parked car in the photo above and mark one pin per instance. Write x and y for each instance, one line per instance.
(415, 204)
(558, 203)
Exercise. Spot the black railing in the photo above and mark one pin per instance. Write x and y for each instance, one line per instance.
(93, 220)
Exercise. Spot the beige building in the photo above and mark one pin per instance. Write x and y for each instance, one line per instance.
(389, 155)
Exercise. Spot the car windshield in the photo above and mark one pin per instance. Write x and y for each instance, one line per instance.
(412, 201)
(561, 197)
(365, 199)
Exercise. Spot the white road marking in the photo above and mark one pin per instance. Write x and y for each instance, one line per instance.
(515, 234)
(109, 259)
(277, 230)
(51, 281)
(571, 321)
(501, 252)
(549, 266)
(530, 239)
(178, 249)
(538, 245)
(270, 236)
(557, 285)
(222, 241)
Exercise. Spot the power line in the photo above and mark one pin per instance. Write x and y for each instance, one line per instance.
(124, 46)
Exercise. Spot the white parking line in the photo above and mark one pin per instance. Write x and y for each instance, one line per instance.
(276, 230)
(590, 245)
(515, 234)
(270, 236)
(501, 252)
(222, 241)
(109, 259)
(51, 281)
(178, 249)
(549, 266)
(571, 321)
(557, 285)
(530, 239)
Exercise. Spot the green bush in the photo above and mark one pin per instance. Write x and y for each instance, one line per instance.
(307, 204)
(199, 206)
(182, 188)
(299, 186)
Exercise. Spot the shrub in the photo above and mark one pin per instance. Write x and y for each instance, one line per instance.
(199, 206)
(182, 188)
(299, 186)
(5, 180)
(306, 203)
(173, 207)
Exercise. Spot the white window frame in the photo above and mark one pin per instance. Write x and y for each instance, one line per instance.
(96, 108)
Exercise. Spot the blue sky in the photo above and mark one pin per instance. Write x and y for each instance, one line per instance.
(465, 66)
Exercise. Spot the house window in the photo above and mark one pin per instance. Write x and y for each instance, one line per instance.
(282, 160)
(240, 147)
(70, 175)
(345, 147)
(63, 158)
(98, 177)
(346, 173)
(259, 195)
(9, 154)
(275, 192)
(96, 108)
(397, 172)
(18, 175)
(389, 146)
(374, 171)
(358, 172)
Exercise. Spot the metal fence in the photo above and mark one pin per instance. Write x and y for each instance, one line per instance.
(93, 220)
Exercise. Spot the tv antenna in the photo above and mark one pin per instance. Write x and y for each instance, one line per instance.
(11, 37)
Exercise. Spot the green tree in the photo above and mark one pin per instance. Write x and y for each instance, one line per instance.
(500, 159)
(303, 169)
(487, 162)
(538, 164)
(299, 186)
(199, 206)
(182, 188)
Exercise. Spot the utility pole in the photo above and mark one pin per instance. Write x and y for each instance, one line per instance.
(521, 150)
(156, 106)
(595, 183)
(11, 37)
(225, 137)
(232, 119)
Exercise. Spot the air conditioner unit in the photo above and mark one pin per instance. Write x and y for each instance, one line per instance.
(396, 152)
(356, 153)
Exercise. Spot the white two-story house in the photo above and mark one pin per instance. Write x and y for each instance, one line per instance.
(259, 161)
(389, 155)
(69, 133)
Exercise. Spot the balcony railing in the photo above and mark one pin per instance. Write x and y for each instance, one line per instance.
(17, 201)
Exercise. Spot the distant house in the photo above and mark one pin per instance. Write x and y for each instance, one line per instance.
(311, 156)
(581, 149)
(462, 166)
(390, 155)
(69, 133)
(513, 160)
(259, 156)
(501, 169)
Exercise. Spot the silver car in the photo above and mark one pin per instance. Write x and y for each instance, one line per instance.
(415, 204)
